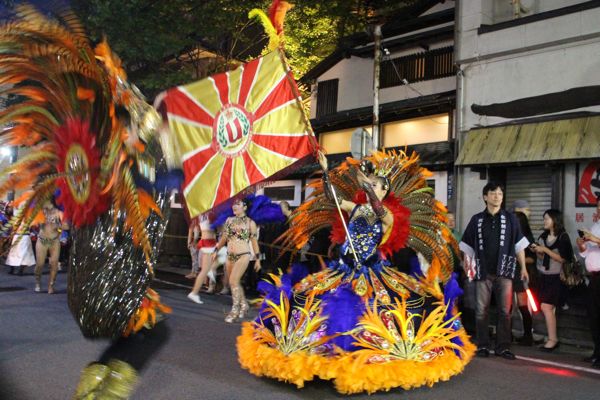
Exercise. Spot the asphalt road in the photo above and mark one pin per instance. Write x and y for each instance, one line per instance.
(42, 353)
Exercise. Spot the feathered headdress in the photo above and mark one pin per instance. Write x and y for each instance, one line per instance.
(261, 210)
(73, 117)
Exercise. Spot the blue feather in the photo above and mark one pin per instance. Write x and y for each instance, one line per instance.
(344, 308)
(415, 267)
(299, 272)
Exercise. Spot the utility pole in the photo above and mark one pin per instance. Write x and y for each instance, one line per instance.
(376, 69)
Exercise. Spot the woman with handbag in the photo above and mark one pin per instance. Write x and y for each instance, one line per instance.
(553, 250)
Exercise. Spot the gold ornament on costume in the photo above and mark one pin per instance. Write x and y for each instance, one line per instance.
(77, 170)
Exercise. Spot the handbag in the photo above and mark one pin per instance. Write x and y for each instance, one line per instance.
(571, 273)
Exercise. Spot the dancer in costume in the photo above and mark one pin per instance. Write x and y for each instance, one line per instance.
(240, 233)
(206, 247)
(361, 322)
(48, 245)
(91, 135)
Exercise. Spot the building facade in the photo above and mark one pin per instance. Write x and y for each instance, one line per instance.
(417, 94)
(528, 106)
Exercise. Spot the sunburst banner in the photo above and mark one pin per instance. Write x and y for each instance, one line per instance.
(237, 129)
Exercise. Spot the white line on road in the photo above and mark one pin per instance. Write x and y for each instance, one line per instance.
(172, 283)
(560, 365)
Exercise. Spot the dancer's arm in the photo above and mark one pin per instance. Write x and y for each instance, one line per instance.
(345, 205)
(222, 241)
(254, 243)
(378, 207)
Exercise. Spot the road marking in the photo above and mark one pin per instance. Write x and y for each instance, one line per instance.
(172, 283)
(560, 365)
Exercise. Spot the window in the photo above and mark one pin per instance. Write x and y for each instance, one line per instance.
(279, 193)
(327, 93)
(288, 190)
(423, 66)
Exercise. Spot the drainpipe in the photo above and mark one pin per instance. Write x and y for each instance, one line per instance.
(458, 125)
(376, 68)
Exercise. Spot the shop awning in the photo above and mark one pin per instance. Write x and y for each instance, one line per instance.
(567, 139)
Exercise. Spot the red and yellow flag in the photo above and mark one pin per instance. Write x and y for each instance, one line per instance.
(237, 129)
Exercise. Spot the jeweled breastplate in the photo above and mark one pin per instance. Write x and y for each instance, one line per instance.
(366, 232)
(238, 229)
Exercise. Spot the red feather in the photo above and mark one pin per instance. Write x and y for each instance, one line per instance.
(400, 230)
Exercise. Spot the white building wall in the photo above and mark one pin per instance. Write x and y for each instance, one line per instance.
(469, 200)
(441, 186)
(533, 59)
(355, 76)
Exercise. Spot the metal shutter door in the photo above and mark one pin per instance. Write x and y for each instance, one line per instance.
(533, 184)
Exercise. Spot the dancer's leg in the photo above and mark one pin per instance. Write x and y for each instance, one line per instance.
(237, 291)
(53, 261)
(205, 264)
(41, 251)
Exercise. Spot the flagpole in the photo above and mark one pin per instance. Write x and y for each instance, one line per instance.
(314, 141)
(337, 205)
(297, 96)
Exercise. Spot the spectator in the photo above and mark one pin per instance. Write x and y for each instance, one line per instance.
(519, 285)
(492, 244)
(589, 248)
(318, 248)
(21, 251)
(192, 242)
(466, 303)
(553, 249)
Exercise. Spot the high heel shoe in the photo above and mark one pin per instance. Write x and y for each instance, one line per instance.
(550, 349)
(236, 307)
(233, 314)
(243, 310)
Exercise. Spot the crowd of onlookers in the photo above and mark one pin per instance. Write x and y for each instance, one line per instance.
(501, 257)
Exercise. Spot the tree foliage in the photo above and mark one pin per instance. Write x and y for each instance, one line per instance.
(162, 42)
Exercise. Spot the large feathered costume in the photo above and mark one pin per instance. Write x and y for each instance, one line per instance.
(88, 133)
(362, 322)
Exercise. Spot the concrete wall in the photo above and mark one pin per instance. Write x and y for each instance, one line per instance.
(498, 11)
(469, 197)
(355, 76)
(526, 60)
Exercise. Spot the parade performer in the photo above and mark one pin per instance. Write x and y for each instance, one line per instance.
(48, 245)
(240, 234)
(205, 248)
(90, 134)
(361, 322)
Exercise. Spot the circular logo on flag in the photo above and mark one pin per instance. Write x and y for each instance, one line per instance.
(232, 129)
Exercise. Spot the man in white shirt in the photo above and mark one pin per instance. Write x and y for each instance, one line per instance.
(589, 247)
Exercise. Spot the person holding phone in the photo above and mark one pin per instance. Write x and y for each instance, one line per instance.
(553, 249)
(588, 244)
